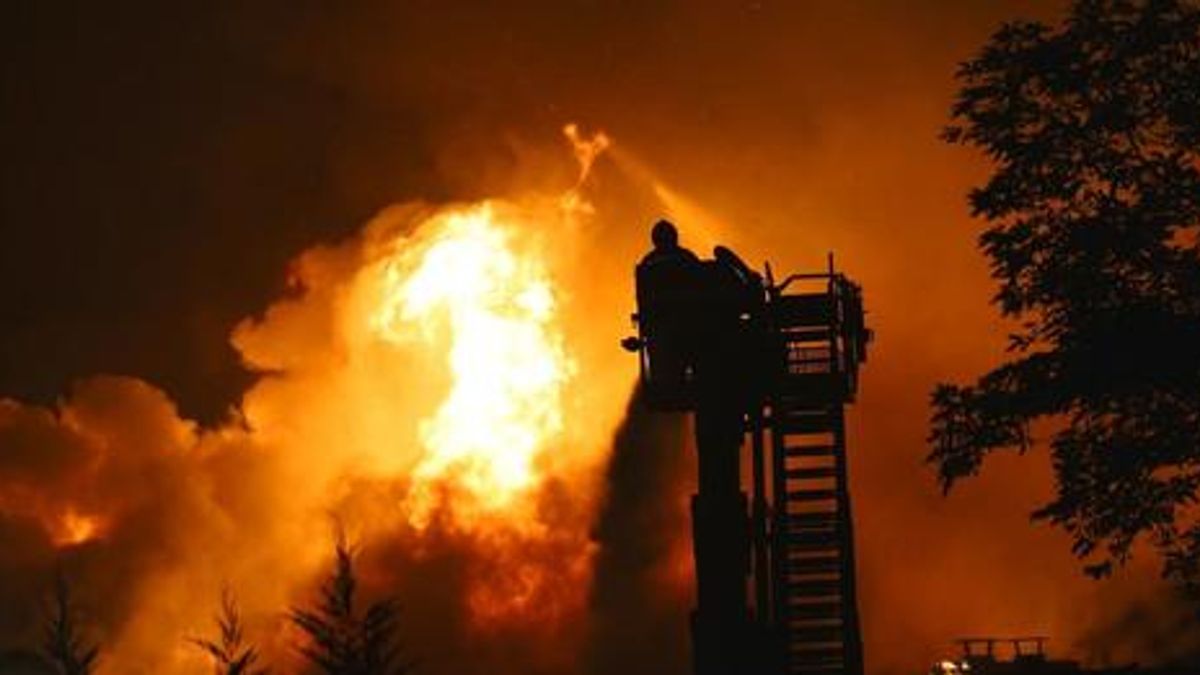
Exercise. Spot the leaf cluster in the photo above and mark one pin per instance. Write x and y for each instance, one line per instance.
(1093, 213)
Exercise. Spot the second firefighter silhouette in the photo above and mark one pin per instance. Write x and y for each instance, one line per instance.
(717, 339)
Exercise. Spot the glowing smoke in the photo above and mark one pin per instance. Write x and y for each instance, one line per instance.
(436, 382)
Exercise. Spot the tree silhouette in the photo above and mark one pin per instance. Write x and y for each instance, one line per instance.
(62, 645)
(340, 641)
(1093, 208)
(229, 652)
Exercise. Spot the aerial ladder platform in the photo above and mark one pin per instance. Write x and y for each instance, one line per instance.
(773, 363)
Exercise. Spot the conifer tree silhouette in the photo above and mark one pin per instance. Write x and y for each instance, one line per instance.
(342, 641)
(230, 653)
(62, 644)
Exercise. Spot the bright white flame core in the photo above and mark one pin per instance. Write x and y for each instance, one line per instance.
(464, 287)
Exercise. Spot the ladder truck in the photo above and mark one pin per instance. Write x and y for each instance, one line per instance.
(777, 362)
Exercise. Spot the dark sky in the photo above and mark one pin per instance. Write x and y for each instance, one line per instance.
(162, 165)
(163, 161)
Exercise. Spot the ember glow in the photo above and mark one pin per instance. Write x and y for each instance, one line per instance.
(75, 528)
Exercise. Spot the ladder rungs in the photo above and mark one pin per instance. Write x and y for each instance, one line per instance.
(812, 495)
(807, 335)
(827, 665)
(812, 545)
(809, 518)
(811, 530)
(808, 389)
(812, 661)
(798, 538)
(809, 451)
(824, 665)
(827, 564)
(817, 669)
(806, 423)
(817, 655)
(818, 588)
(815, 610)
(817, 634)
(811, 472)
(802, 649)
(798, 665)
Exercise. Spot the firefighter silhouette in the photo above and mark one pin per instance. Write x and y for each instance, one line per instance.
(668, 284)
(699, 319)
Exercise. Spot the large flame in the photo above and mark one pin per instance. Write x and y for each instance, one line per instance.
(466, 288)
(441, 383)
(472, 291)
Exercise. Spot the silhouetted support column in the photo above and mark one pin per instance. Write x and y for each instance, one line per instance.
(720, 625)
(758, 521)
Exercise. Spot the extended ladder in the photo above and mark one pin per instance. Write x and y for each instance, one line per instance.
(778, 359)
(821, 341)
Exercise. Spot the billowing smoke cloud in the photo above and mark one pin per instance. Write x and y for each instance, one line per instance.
(1162, 623)
(132, 503)
(455, 420)
(641, 595)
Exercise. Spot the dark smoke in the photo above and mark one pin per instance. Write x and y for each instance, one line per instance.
(638, 620)
(1160, 629)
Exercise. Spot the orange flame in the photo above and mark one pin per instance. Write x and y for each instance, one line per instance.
(441, 380)
(74, 528)
(472, 289)
(466, 287)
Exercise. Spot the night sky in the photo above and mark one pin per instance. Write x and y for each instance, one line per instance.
(165, 161)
